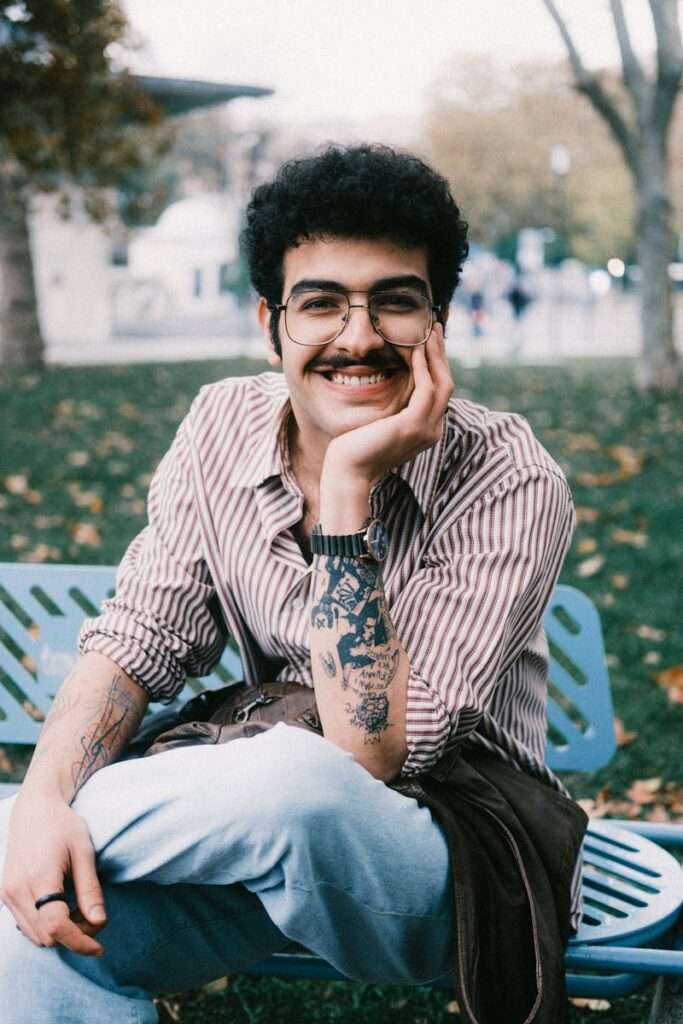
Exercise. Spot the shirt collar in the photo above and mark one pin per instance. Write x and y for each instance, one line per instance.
(264, 456)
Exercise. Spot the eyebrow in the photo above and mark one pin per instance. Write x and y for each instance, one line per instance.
(381, 285)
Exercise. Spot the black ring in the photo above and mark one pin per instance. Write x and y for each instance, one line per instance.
(52, 897)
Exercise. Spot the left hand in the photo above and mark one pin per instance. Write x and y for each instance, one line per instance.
(362, 456)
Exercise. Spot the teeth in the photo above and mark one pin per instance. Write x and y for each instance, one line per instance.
(355, 381)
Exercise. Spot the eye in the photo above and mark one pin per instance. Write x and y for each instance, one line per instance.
(318, 303)
(397, 302)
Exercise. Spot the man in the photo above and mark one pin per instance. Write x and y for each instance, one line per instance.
(356, 529)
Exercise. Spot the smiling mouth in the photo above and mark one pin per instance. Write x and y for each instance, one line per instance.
(358, 380)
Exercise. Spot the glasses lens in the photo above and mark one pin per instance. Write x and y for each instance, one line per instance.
(402, 317)
(315, 317)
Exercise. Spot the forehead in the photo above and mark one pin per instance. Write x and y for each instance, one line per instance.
(355, 263)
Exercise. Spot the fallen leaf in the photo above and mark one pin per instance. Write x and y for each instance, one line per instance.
(130, 411)
(623, 736)
(650, 633)
(64, 409)
(590, 566)
(652, 658)
(5, 763)
(587, 545)
(41, 553)
(86, 534)
(635, 538)
(628, 460)
(18, 541)
(672, 681)
(34, 631)
(619, 581)
(29, 664)
(643, 791)
(590, 1004)
(33, 497)
(583, 443)
(17, 483)
(453, 1006)
(657, 814)
(585, 514)
(78, 458)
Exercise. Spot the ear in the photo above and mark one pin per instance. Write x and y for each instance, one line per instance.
(263, 315)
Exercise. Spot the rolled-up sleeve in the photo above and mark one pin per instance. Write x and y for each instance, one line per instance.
(476, 602)
(163, 621)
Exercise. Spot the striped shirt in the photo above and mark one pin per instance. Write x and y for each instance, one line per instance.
(479, 525)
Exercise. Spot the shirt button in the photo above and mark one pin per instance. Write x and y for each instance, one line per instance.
(298, 604)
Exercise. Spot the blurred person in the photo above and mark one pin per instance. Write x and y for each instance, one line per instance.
(359, 531)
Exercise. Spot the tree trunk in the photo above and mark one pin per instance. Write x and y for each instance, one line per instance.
(21, 342)
(659, 368)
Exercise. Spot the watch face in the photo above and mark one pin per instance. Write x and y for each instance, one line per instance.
(377, 540)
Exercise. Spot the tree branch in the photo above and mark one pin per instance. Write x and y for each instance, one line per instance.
(669, 62)
(634, 78)
(589, 84)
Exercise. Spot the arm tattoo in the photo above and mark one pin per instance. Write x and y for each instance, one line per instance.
(115, 719)
(349, 603)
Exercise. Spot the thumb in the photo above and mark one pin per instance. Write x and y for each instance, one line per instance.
(89, 895)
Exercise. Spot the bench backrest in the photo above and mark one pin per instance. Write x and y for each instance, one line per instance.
(42, 607)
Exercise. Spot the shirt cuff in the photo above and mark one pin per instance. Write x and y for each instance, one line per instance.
(150, 670)
(428, 726)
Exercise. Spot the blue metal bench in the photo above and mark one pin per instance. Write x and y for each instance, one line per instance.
(632, 887)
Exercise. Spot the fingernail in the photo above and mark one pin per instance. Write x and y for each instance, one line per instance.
(97, 913)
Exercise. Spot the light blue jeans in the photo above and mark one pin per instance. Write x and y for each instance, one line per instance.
(214, 857)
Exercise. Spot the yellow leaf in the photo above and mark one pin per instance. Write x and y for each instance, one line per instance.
(86, 534)
(585, 514)
(583, 443)
(453, 1006)
(590, 1004)
(5, 763)
(586, 546)
(635, 538)
(620, 581)
(590, 566)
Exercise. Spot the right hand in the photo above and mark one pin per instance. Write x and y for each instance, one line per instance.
(48, 843)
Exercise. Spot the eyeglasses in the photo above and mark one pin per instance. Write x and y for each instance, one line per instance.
(402, 316)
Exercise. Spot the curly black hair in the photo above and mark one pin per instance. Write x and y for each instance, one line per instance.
(367, 191)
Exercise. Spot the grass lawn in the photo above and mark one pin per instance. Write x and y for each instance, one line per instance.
(78, 449)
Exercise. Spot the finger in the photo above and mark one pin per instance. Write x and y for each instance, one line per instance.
(440, 370)
(57, 928)
(89, 895)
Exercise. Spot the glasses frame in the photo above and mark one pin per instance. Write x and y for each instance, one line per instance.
(282, 308)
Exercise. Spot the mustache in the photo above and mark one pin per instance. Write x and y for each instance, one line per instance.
(373, 360)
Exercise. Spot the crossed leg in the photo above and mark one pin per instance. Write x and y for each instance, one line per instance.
(214, 857)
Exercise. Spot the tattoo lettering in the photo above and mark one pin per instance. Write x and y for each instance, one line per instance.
(114, 720)
(349, 603)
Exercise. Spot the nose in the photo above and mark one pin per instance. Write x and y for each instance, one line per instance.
(359, 334)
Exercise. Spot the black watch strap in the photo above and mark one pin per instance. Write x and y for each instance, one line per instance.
(349, 545)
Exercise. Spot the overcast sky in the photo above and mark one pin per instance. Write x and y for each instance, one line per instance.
(359, 59)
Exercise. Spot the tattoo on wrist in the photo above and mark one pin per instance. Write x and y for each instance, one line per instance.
(349, 602)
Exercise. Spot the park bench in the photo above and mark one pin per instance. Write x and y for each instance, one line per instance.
(632, 887)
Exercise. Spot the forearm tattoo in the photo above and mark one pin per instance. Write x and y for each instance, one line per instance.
(112, 722)
(362, 652)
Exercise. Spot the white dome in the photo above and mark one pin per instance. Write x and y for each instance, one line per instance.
(211, 215)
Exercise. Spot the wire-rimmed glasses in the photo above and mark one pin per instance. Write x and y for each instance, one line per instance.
(316, 316)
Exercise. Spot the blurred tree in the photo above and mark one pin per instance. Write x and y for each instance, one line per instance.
(492, 131)
(639, 117)
(67, 116)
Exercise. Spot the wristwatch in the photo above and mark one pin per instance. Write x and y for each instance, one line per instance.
(372, 541)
